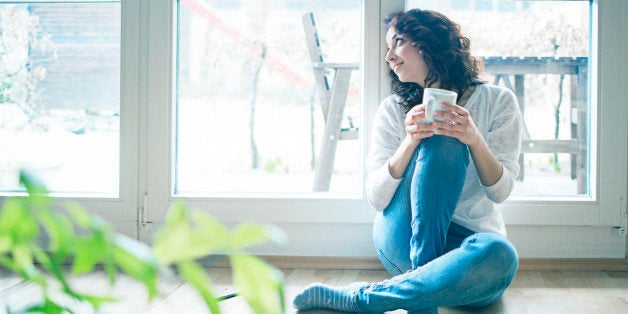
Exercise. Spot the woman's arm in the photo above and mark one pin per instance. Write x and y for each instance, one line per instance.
(462, 127)
(385, 168)
(489, 169)
(399, 161)
(392, 148)
(385, 139)
(495, 157)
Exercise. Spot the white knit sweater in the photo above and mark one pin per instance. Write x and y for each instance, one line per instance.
(495, 112)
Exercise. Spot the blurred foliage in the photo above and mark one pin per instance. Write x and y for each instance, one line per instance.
(19, 72)
(84, 241)
(273, 165)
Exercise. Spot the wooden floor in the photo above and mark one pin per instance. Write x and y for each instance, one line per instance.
(532, 291)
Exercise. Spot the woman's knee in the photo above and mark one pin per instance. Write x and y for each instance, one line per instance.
(391, 242)
(446, 149)
(496, 262)
(496, 253)
(500, 248)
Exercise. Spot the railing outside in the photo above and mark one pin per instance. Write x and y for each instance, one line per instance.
(505, 68)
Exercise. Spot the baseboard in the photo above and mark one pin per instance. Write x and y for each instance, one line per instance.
(368, 263)
(607, 264)
(325, 262)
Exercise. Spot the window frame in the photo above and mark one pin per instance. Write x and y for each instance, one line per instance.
(146, 129)
(606, 203)
(121, 210)
(280, 208)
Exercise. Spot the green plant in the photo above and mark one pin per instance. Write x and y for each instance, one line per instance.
(553, 161)
(272, 164)
(185, 237)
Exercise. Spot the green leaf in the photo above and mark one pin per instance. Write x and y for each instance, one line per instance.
(44, 260)
(80, 216)
(215, 234)
(95, 301)
(61, 232)
(110, 269)
(5, 244)
(137, 260)
(94, 248)
(250, 234)
(48, 307)
(260, 284)
(138, 249)
(176, 214)
(38, 194)
(196, 276)
(174, 233)
(22, 263)
(176, 242)
(10, 214)
(18, 222)
(23, 256)
(89, 251)
(32, 185)
(179, 240)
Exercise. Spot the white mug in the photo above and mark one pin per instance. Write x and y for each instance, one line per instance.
(433, 98)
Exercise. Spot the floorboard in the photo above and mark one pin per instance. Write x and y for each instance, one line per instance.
(531, 292)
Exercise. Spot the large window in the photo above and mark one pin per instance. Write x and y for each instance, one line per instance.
(126, 106)
(251, 116)
(541, 50)
(60, 95)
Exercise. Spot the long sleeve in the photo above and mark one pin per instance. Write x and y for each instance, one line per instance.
(504, 141)
(385, 139)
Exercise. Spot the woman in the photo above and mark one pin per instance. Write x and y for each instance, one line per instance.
(435, 184)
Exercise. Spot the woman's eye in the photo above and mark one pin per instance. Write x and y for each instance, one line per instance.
(398, 41)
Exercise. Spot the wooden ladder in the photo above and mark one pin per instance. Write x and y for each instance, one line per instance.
(332, 99)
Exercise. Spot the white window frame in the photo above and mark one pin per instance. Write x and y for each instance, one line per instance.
(606, 204)
(319, 225)
(292, 209)
(608, 170)
(122, 210)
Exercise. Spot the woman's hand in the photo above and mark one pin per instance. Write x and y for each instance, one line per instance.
(458, 124)
(416, 127)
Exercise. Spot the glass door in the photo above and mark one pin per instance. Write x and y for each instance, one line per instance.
(268, 98)
(65, 114)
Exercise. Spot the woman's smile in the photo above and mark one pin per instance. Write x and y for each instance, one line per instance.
(395, 66)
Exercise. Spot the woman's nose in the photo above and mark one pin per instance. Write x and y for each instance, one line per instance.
(390, 55)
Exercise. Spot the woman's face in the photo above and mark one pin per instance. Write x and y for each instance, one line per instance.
(405, 60)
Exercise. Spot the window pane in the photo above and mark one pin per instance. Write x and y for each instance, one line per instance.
(539, 49)
(249, 114)
(60, 95)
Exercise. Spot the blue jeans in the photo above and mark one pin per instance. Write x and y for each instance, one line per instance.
(435, 262)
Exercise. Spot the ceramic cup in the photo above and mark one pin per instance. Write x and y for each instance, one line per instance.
(433, 98)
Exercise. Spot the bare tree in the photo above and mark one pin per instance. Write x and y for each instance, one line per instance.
(256, 77)
(19, 74)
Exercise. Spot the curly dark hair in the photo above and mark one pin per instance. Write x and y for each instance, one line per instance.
(446, 53)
